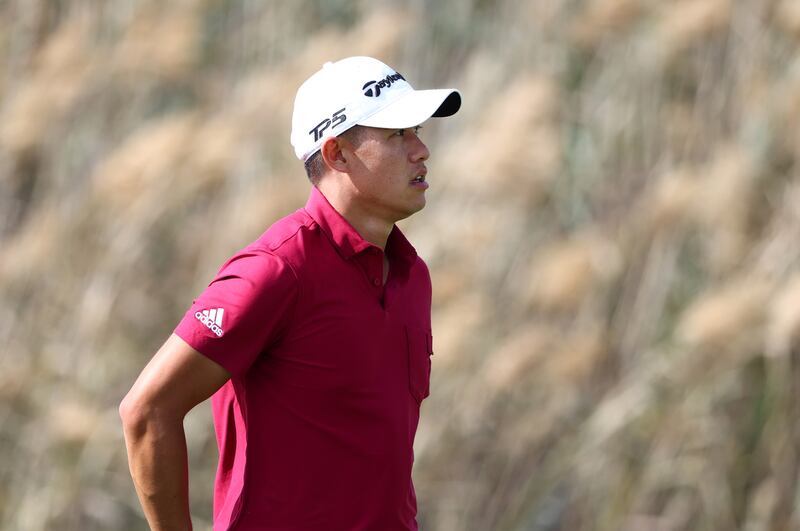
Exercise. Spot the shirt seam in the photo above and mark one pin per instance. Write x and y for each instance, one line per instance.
(243, 496)
(273, 251)
(298, 286)
(277, 246)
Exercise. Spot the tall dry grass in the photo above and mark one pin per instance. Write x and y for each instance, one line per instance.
(612, 230)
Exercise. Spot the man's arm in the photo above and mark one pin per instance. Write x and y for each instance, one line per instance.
(176, 379)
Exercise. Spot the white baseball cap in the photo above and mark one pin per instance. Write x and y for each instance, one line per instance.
(361, 91)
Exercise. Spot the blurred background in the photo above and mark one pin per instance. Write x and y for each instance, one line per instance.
(613, 230)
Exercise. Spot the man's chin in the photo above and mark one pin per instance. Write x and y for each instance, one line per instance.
(419, 206)
(408, 212)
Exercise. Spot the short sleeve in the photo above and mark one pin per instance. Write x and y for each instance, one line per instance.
(243, 311)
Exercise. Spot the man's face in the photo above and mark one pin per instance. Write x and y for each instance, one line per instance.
(386, 172)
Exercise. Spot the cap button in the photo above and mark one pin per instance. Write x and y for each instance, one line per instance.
(376, 281)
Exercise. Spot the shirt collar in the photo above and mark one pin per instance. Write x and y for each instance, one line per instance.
(399, 248)
(345, 238)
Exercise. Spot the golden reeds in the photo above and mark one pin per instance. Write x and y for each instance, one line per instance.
(612, 232)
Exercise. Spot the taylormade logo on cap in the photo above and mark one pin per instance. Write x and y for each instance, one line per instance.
(376, 86)
(361, 91)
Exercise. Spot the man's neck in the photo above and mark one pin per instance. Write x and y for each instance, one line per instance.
(372, 228)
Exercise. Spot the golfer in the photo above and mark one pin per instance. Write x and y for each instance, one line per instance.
(314, 341)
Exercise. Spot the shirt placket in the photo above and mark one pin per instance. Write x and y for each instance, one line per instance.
(371, 262)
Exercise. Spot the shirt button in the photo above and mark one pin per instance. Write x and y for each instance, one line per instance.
(376, 281)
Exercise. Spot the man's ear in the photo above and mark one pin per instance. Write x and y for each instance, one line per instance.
(333, 155)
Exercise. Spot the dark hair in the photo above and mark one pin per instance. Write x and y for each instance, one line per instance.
(315, 165)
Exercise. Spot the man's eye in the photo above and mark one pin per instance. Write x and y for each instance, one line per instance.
(402, 132)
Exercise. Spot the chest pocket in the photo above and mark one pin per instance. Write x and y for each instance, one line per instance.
(420, 350)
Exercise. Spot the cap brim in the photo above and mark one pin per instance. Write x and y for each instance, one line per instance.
(414, 107)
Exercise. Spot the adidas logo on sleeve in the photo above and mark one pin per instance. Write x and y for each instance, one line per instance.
(212, 319)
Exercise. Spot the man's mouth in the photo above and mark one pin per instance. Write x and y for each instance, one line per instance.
(422, 171)
(419, 182)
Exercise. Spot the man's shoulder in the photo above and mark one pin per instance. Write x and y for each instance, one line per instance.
(420, 271)
(276, 252)
(284, 236)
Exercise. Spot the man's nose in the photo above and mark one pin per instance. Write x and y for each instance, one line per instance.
(419, 150)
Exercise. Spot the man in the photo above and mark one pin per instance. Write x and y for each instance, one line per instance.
(315, 340)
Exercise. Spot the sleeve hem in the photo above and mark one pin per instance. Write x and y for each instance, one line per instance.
(192, 342)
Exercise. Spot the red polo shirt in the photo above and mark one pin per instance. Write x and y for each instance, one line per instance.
(329, 367)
